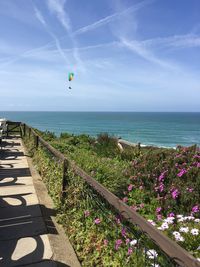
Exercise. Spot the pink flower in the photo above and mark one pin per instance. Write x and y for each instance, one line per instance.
(123, 232)
(175, 193)
(141, 187)
(118, 243)
(162, 176)
(86, 213)
(178, 156)
(190, 189)
(183, 171)
(130, 187)
(105, 242)
(196, 156)
(158, 209)
(130, 251)
(127, 241)
(118, 220)
(171, 214)
(195, 209)
(142, 205)
(198, 165)
(159, 217)
(135, 208)
(125, 199)
(97, 221)
(161, 187)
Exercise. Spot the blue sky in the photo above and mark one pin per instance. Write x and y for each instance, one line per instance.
(126, 55)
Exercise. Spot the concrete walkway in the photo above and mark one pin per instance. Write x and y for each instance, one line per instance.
(29, 234)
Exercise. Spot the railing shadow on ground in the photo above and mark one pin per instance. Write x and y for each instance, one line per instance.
(22, 228)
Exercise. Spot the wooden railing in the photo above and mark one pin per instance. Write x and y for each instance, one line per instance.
(169, 247)
(13, 128)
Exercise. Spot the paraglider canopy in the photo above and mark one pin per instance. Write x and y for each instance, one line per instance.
(71, 76)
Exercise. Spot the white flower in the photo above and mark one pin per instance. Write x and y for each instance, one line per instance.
(197, 220)
(165, 226)
(198, 248)
(181, 219)
(198, 259)
(155, 265)
(179, 216)
(176, 234)
(152, 254)
(179, 238)
(184, 229)
(160, 228)
(151, 222)
(194, 231)
(133, 242)
(169, 220)
(189, 218)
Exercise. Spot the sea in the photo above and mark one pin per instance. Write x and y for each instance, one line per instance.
(163, 129)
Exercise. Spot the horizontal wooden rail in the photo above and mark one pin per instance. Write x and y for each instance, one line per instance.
(169, 247)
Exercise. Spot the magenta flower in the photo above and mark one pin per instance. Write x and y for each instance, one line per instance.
(118, 220)
(127, 241)
(123, 232)
(195, 209)
(198, 164)
(161, 187)
(190, 189)
(118, 243)
(196, 156)
(97, 221)
(183, 171)
(158, 209)
(130, 187)
(159, 217)
(130, 251)
(86, 213)
(162, 176)
(171, 214)
(175, 193)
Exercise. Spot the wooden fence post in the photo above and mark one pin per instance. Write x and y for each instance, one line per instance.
(36, 141)
(24, 129)
(64, 179)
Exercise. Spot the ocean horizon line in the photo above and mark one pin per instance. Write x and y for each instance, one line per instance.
(99, 111)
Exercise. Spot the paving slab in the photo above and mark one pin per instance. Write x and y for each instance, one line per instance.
(18, 200)
(11, 181)
(17, 212)
(14, 172)
(22, 227)
(27, 250)
(13, 190)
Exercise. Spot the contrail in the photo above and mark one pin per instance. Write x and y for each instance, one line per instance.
(112, 17)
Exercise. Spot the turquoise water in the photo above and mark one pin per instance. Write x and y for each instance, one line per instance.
(149, 128)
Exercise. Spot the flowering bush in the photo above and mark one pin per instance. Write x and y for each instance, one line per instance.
(161, 184)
